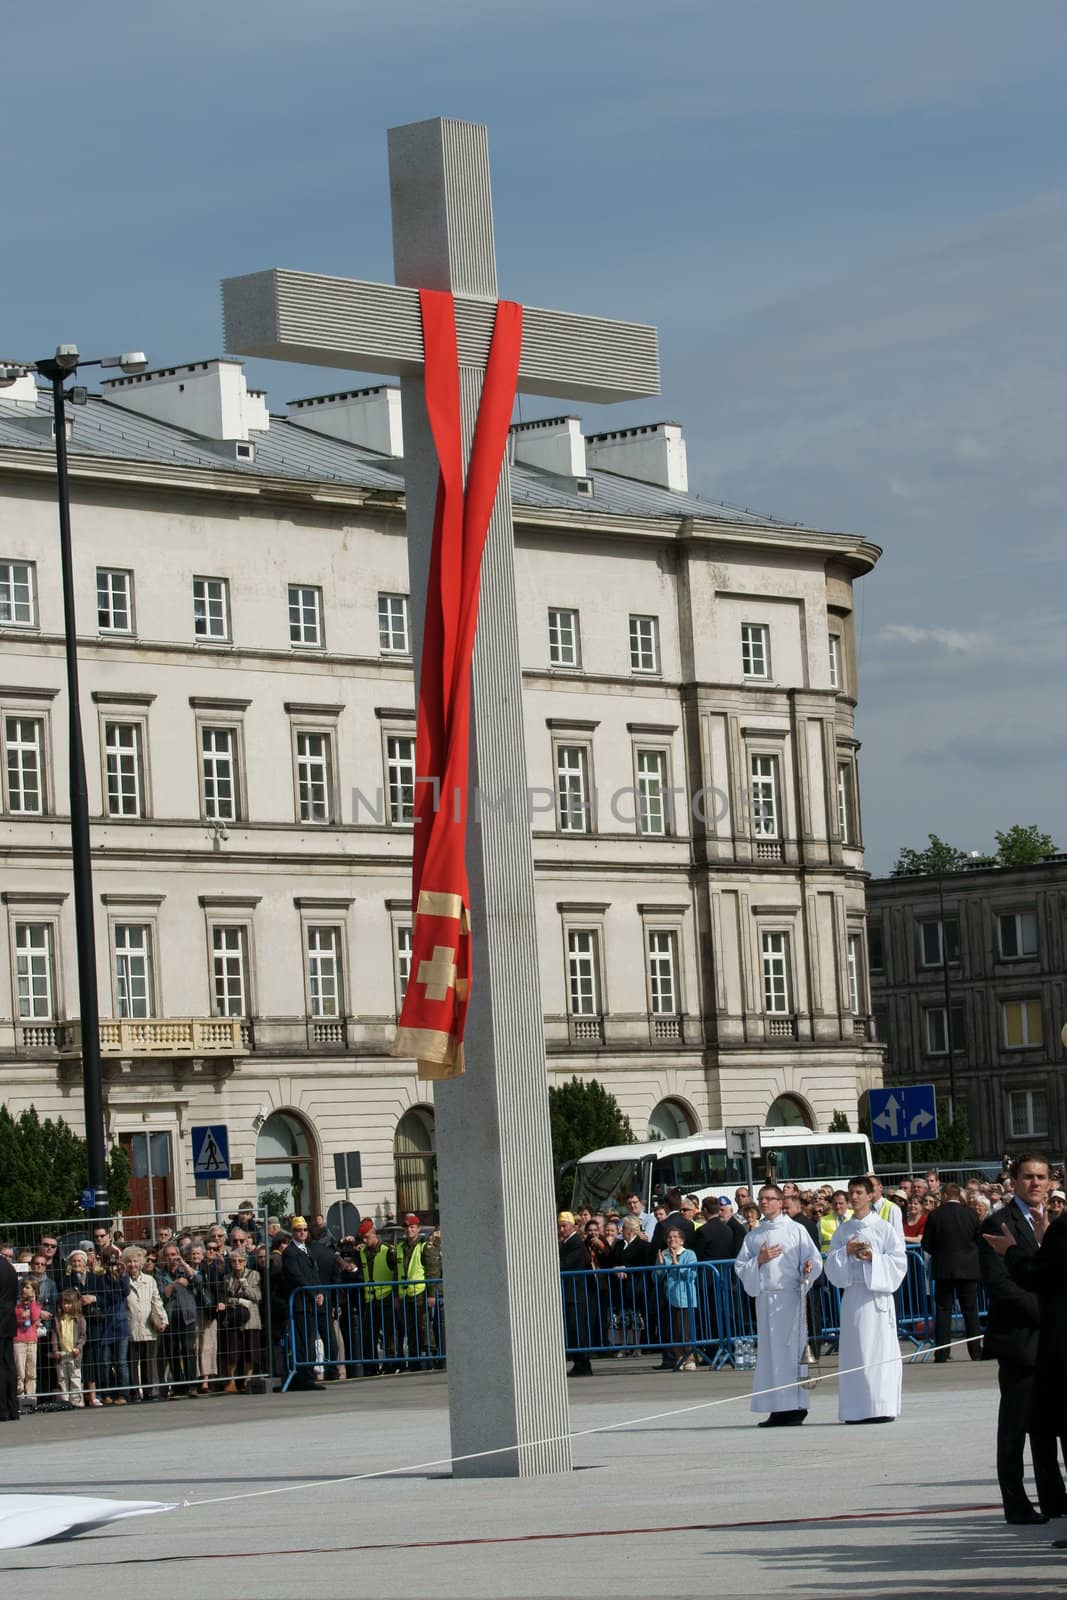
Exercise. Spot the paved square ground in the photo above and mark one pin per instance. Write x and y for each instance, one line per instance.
(696, 1503)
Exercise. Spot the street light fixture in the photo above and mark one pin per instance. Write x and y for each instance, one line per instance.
(57, 369)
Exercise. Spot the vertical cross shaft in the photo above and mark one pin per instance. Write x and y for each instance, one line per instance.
(505, 1352)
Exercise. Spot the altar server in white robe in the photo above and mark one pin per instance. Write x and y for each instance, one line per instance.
(777, 1264)
(867, 1261)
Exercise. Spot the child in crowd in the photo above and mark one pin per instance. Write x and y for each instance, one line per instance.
(68, 1341)
(27, 1317)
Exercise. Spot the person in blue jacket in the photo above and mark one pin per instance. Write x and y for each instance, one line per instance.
(677, 1265)
(112, 1290)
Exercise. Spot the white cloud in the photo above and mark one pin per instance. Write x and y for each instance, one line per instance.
(954, 640)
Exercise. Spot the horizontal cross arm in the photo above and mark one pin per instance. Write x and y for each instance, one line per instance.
(376, 327)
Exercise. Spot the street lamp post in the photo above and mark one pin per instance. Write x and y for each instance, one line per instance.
(949, 1041)
(57, 369)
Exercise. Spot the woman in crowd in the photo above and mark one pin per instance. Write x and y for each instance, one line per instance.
(209, 1273)
(678, 1266)
(638, 1308)
(144, 1308)
(83, 1282)
(915, 1218)
(113, 1288)
(241, 1325)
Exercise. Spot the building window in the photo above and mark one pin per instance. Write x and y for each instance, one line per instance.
(211, 608)
(755, 650)
(24, 761)
(305, 615)
(229, 959)
(18, 594)
(314, 777)
(1018, 935)
(844, 803)
(125, 769)
(133, 969)
(572, 788)
(934, 946)
(880, 1024)
(583, 972)
(874, 947)
(662, 973)
(324, 972)
(563, 638)
(764, 776)
(400, 777)
(219, 774)
(1023, 1025)
(775, 947)
(114, 600)
(403, 958)
(644, 644)
(1028, 1113)
(855, 974)
(937, 1031)
(393, 638)
(835, 661)
(34, 972)
(652, 792)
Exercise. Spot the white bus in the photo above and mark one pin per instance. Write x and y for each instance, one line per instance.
(699, 1165)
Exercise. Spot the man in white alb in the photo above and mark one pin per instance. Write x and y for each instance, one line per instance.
(867, 1261)
(777, 1264)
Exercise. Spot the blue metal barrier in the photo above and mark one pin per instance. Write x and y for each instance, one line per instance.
(364, 1331)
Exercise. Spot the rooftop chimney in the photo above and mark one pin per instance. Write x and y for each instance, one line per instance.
(554, 443)
(210, 398)
(20, 391)
(369, 417)
(652, 454)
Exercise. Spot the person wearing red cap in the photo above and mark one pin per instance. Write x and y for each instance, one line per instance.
(417, 1259)
(377, 1311)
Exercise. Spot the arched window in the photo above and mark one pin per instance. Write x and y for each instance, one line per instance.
(789, 1111)
(671, 1119)
(415, 1164)
(285, 1160)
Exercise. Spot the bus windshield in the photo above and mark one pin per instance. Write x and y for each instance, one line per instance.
(601, 1184)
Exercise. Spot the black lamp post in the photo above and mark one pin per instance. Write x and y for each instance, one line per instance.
(949, 1041)
(57, 369)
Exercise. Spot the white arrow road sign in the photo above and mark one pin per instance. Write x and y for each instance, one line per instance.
(919, 1121)
(889, 1116)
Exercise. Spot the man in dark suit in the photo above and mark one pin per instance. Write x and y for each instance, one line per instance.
(299, 1269)
(9, 1293)
(1012, 1338)
(574, 1258)
(950, 1239)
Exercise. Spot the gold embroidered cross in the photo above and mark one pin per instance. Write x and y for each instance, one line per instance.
(439, 975)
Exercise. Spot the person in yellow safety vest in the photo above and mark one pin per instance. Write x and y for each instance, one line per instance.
(416, 1260)
(831, 1220)
(377, 1313)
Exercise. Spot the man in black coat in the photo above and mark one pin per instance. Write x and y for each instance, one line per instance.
(950, 1239)
(299, 1270)
(574, 1257)
(9, 1293)
(1012, 1338)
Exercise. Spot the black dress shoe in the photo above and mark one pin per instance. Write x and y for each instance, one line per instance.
(1029, 1518)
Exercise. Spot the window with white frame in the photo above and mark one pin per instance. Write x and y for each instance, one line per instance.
(652, 792)
(644, 644)
(393, 635)
(229, 971)
(18, 594)
(583, 973)
(844, 803)
(663, 972)
(940, 940)
(835, 661)
(937, 1030)
(133, 969)
(403, 957)
(324, 971)
(305, 615)
(24, 764)
(218, 755)
(1027, 1113)
(755, 650)
(400, 777)
(1023, 1026)
(564, 647)
(775, 951)
(124, 761)
(1018, 934)
(114, 600)
(34, 974)
(572, 788)
(314, 775)
(211, 608)
(763, 771)
(856, 987)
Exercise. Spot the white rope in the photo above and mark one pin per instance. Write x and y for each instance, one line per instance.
(575, 1433)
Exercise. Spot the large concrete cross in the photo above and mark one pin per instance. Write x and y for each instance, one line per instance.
(505, 1353)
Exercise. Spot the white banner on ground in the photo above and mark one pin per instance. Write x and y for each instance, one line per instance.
(29, 1518)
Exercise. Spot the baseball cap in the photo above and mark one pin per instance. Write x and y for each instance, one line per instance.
(724, 1200)
(1057, 1194)
(365, 1227)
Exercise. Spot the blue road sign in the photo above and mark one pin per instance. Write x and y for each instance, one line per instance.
(901, 1114)
(211, 1151)
(88, 1200)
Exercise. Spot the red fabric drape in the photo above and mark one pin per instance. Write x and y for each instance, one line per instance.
(438, 992)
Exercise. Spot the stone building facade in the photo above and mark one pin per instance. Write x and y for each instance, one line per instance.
(244, 642)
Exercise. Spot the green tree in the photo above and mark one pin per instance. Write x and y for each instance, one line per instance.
(839, 1123)
(937, 857)
(583, 1117)
(44, 1168)
(1021, 847)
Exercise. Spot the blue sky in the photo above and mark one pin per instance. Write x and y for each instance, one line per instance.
(848, 218)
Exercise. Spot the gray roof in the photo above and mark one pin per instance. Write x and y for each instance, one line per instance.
(289, 449)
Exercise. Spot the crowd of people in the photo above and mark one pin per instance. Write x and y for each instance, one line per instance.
(183, 1315)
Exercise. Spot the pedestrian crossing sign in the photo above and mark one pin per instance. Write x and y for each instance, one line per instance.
(211, 1151)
